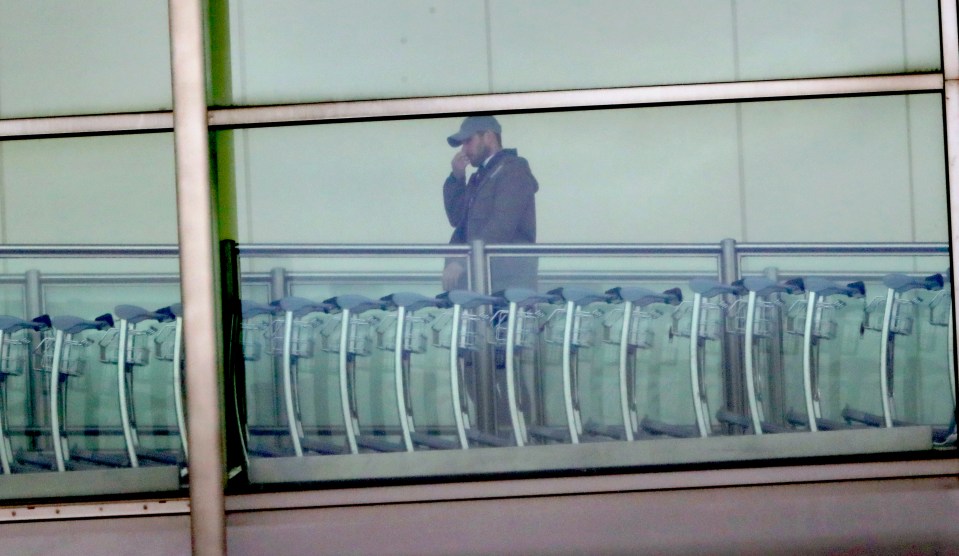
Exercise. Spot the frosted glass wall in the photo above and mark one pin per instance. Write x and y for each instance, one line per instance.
(61, 57)
(294, 50)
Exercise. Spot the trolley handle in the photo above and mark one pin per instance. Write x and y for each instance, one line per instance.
(135, 314)
(467, 299)
(411, 301)
(9, 325)
(354, 303)
(579, 296)
(707, 287)
(525, 297)
(71, 324)
(299, 306)
(644, 296)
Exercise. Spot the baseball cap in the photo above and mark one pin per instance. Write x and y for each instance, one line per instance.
(471, 126)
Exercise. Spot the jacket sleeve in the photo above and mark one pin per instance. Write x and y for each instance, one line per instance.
(514, 190)
(454, 199)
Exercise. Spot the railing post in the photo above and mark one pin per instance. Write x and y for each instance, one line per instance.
(777, 372)
(734, 387)
(275, 412)
(37, 417)
(483, 382)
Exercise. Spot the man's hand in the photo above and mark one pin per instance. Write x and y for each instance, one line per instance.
(459, 164)
(451, 275)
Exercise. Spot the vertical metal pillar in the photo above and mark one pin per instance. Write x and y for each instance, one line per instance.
(776, 402)
(275, 412)
(950, 68)
(278, 284)
(33, 300)
(198, 281)
(483, 361)
(734, 385)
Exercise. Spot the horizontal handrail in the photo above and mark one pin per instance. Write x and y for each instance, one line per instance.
(443, 249)
(842, 248)
(339, 250)
(87, 250)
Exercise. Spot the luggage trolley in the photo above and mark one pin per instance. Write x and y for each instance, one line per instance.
(409, 336)
(62, 354)
(701, 320)
(128, 347)
(355, 337)
(292, 339)
(14, 357)
(636, 334)
(899, 315)
(468, 333)
(940, 315)
(518, 332)
(759, 319)
(578, 331)
(256, 328)
(815, 319)
(168, 346)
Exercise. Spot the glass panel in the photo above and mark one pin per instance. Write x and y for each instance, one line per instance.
(90, 355)
(621, 352)
(104, 189)
(856, 380)
(848, 169)
(297, 350)
(297, 50)
(615, 345)
(62, 57)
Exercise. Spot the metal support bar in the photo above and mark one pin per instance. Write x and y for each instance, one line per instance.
(734, 386)
(33, 305)
(198, 284)
(483, 370)
(279, 288)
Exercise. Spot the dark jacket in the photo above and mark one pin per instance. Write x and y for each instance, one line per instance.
(497, 207)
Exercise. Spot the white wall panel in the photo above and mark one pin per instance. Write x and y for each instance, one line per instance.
(295, 50)
(108, 189)
(61, 57)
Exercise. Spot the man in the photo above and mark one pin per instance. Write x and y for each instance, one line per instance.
(496, 206)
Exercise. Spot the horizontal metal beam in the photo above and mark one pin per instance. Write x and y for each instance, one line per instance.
(10, 251)
(22, 128)
(650, 481)
(551, 100)
(342, 250)
(843, 249)
(443, 249)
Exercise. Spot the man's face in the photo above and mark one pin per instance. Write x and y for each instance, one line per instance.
(477, 148)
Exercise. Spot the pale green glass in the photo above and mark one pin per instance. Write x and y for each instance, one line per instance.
(60, 57)
(301, 51)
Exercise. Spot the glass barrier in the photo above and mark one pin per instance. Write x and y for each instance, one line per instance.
(91, 329)
(91, 373)
(316, 337)
(297, 50)
(69, 57)
(117, 190)
(634, 360)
